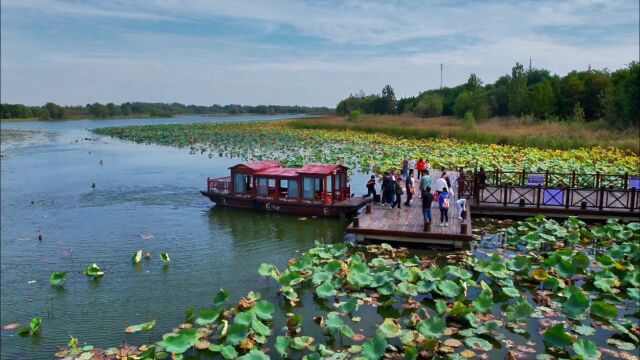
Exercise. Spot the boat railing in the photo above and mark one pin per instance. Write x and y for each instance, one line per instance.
(220, 185)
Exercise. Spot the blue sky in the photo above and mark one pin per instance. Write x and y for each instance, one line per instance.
(293, 52)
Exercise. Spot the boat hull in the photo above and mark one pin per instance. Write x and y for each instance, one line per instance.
(341, 209)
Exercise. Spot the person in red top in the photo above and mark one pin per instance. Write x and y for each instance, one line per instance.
(421, 166)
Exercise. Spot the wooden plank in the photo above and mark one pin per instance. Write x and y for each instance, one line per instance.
(406, 224)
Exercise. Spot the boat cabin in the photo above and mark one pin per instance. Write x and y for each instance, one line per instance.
(268, 180)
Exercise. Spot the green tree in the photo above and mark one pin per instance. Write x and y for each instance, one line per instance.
(542, 101)
(474, 101)
(517, 98)
(578, 113)
(473, 83)
(429, 105)
(388, 100)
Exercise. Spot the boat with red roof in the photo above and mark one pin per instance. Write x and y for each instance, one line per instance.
(314, 189)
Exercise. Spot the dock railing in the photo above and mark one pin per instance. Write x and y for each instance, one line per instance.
(572, 191)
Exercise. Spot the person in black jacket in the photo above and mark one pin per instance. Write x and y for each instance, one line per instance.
(427, 199)
(371, 186)
(398, 192)
(387, 188)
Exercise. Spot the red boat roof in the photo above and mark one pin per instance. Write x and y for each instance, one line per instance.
(320, 169)
(279, 172)
(259, 165)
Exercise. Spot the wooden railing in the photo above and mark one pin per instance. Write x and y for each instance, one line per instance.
(559, 197)
(548, 179)
(222, 184)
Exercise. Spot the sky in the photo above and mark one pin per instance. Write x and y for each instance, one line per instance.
(312, 53)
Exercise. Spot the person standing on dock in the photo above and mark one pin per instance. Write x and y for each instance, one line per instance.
(410, 186)
(443, 204)
(425, 183)
(427, 166)
(461, 204)
(371, 186)
(387, 188)
(412, 166)
(427, 199)
(420, 166)
(441, 183)
(398, 193)
(405, 167)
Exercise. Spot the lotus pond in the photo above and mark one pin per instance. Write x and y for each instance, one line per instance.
(365, 151)
(549, 290)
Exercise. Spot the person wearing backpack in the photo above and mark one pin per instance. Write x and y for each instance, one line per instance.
(371, 187)
(398, 191)
(443, 204)
(427, 200)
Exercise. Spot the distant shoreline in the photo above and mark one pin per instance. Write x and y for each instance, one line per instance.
(143, 117)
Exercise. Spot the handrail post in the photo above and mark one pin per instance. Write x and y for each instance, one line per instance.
(522, 179)
(598, 180)
(625, 180)
(546, 178)
(633, 199)
(538, 197)
(573, 179)
(568, 200)
(504, 202)
(601, 205)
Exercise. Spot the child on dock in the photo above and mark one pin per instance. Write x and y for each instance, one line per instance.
(371, 186)
(443, 204)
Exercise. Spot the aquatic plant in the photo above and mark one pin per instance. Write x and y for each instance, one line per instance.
(568, 291)
(368, 151)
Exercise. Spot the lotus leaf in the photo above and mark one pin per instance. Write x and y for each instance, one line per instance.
(57, 278)
(181, 341)
(432, 327)
(557, 337)
(374, 348)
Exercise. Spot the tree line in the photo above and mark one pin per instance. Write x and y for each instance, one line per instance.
(143, 109)
(589, 95)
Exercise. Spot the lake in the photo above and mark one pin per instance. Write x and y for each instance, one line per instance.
(145, 197)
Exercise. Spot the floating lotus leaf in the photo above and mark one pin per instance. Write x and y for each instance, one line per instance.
(137, 257)
(449, 288)
(229, 352)
(520, 311)
(432, 327)
(237, 333)
(181, 341)
(208, 317)
(477, 343)
(264, 309)
(374, 348)
(389, 328)
(165, 257)
(557, 337)
(57, 278)
(604, 310)
(350, 306)
(144, 327)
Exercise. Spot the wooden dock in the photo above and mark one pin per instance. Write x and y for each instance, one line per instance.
(406, 225)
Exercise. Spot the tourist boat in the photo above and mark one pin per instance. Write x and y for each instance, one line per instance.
(316, 189)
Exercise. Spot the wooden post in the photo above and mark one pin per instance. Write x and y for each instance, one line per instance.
(504, 201)
(598, 180)
(633, 199)
(573, 179)
(601, 205)
(625, 180)
(427, 227)
(463, 214)
(568, 197)
(538, 196)
(463, 228)
(546, 178)
(277, 189)
(368, 208)
(521, 203)
(522, 179)
(356, 222)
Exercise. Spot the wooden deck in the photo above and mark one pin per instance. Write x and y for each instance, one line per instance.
(406, 225)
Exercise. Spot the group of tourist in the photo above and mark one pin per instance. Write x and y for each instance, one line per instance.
(395, 185)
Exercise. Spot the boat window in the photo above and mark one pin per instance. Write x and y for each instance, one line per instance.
(263, 186)
(239, 183)
(318, 184)
(293, 189)
(308, 188)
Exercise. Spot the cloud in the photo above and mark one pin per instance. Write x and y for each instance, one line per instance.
(293, 52)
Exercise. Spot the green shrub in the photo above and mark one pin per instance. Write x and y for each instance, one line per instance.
(469, 121)
(354, 115)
